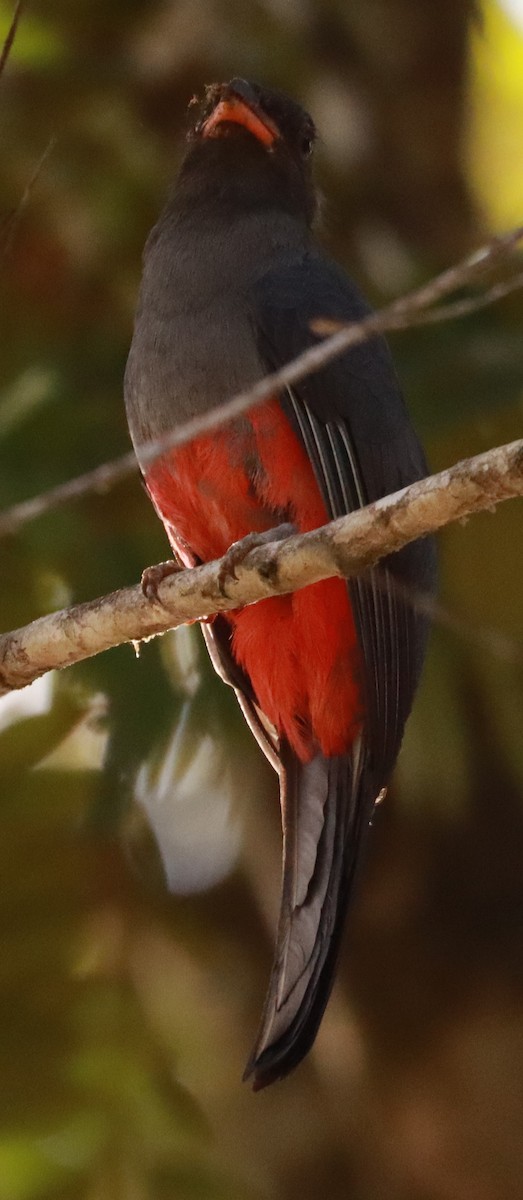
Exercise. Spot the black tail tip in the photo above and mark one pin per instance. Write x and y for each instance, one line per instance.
(266, 1068)
(255, 1076)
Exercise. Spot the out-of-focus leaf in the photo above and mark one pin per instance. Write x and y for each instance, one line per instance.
(19, 402)
(494, 160)
(27, 741)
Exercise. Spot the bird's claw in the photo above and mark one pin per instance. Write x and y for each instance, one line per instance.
(238, 551)
(153, 576)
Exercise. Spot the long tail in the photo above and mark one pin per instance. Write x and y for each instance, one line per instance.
(327, 805)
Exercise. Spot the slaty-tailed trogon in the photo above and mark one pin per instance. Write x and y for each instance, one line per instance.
(233, 277)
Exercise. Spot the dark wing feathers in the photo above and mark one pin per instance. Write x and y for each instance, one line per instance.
(352, 420)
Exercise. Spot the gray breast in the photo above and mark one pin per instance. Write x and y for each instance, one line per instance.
(194, 342)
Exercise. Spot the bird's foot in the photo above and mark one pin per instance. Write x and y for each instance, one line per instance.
(152, 577)
(236, 553)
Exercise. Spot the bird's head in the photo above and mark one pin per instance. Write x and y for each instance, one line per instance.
(250, 145)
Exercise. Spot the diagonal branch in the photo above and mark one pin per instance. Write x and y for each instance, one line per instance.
(344, 548)
(405, 313)
(11, 34)
(434, 316)
(10, 223)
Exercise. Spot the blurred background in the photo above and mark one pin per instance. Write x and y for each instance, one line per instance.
(133, 968)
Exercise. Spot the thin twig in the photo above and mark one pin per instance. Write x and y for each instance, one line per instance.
(401, 314)
(466, 271)
(10, 221)
(11, 34)
(344, 548)
(325, 326)
(9, 224)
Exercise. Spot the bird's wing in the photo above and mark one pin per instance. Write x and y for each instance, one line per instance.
(351, 418)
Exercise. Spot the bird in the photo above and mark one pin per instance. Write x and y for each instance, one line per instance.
(234, 276)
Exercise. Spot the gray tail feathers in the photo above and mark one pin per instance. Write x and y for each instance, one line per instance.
(327, 805)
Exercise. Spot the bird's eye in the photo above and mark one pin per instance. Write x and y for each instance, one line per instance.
(306, 146)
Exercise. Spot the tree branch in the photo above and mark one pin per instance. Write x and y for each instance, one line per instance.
(405, 313)
(344, 548)
(11, 34)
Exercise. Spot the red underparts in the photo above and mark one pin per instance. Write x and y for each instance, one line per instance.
(300, 651)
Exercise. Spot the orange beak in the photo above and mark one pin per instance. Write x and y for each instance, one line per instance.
(238, 112)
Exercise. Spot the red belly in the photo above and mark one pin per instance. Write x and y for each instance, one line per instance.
(300, 651)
